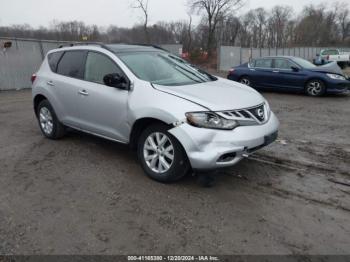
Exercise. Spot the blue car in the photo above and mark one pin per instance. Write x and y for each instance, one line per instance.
(292, 74)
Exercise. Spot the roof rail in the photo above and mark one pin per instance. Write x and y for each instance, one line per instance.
(102, 45)
(154, 46)
(86, 43)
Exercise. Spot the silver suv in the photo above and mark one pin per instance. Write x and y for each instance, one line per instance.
(176, 116)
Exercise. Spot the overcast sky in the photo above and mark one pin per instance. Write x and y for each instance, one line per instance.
(106, 12)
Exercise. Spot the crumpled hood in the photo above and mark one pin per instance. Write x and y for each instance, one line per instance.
(332, 68)
(216, 95)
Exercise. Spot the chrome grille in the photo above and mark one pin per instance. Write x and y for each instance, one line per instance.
(248, 116)
(259, 113)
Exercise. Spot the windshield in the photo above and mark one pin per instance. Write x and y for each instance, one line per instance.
(330, 52)
(303, 63)
(164, 69)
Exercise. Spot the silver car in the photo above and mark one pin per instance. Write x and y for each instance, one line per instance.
(178, 117)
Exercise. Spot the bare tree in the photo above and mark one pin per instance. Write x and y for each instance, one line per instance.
(343, 19)
(316, 25)
(215, 11)
(143, 6)
(310, 25)
(189, 33)
(261, 20)
(231, 31)
(278, 24)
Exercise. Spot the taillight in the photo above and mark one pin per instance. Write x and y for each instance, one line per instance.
(33, 78)
(232, 70)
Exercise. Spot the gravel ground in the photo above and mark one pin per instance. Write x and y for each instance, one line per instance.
(85, 195)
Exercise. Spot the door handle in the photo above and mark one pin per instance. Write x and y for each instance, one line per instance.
(83, 92)
(50, 83)
(276, 71)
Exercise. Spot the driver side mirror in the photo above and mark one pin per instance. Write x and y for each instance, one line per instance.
(116, 80)
(295, 69)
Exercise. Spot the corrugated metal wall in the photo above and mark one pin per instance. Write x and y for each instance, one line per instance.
(24, 58)
(230, 56)
(21, 60)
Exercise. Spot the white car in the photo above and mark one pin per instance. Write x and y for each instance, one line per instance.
(177, 117)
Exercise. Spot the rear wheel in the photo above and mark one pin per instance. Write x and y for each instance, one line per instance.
(161, 155)
(315, 87)
(49, 124)
(245, 80)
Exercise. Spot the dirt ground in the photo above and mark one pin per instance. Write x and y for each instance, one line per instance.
(85, 195)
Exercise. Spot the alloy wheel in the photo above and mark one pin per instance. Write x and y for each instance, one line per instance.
(245, 81)
(158, 152)
(314, 88)
(46, 120)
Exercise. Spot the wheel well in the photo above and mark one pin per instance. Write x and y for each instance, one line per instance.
(246, 76)
(37, 101)
(139, 126)
(315, 78)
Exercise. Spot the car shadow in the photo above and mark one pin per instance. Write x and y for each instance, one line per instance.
(123, 153)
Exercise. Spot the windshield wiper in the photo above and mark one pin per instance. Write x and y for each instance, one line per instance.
(178, 66)
(211, 77)
(187, 71)
(193, 67)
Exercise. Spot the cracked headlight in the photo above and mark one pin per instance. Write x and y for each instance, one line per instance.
(210, 120)
(336, 77)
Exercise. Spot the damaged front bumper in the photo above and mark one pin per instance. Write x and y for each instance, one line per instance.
(212, 149)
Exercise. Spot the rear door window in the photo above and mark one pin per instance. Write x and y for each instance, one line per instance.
(72, 64)
(263, 63)
(53, 60)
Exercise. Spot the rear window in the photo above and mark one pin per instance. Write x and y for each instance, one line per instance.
(330, 52)
(72, 64)
(53, 60)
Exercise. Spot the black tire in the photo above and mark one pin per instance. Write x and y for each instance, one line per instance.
(245, 80)
(315, 87)
(180, 164)
(342, 65)
(58, 129)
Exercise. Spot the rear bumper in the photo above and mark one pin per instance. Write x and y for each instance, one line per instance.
(212, 149)
(233, 77)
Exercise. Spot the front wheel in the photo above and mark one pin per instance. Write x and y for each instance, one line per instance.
(161, 155)
(315, 88)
